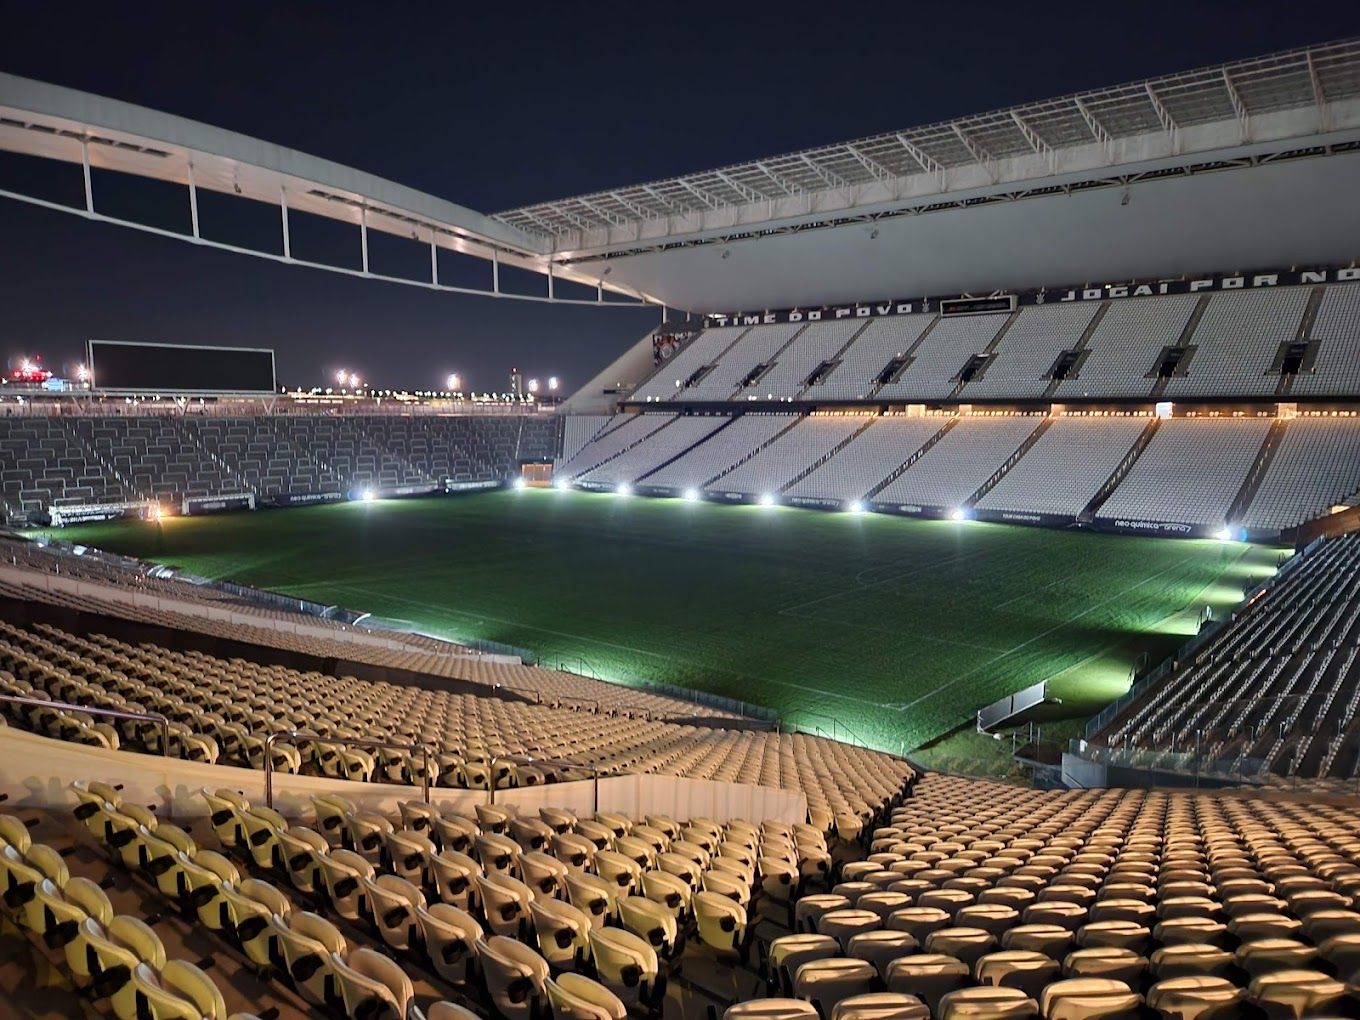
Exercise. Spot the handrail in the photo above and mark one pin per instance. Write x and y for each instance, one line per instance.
(294, 735)
(521, 759)
(537, 694)
(112, 713)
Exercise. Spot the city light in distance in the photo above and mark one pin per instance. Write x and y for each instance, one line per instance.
(692, 495)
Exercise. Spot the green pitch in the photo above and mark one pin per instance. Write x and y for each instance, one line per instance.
(897, 629)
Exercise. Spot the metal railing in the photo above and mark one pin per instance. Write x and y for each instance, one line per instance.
(292, 736)
(112, 713)
(519, 759)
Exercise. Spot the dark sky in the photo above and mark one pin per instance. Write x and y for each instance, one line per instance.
(497, 105)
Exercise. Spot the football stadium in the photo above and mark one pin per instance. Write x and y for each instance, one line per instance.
(948, 607)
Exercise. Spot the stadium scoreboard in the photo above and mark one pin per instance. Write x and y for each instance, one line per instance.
(134, 367)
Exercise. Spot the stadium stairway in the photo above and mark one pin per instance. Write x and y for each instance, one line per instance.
(1080, 348)
(1304, 337)
(985, 355)
(833, 362)
(1259, 467)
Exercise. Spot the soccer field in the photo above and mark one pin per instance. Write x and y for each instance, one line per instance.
(898, 629)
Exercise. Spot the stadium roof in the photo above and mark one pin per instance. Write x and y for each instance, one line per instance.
(1242, 166)
(941, 157)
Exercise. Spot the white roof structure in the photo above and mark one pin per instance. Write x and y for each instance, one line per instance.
(1270, 110)
(1241, 166)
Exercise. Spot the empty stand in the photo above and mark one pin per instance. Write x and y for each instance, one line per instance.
(658, 448)
(1336, 333)
(1022, 361)
(1123, 348)
(791, 454)
(958, 465)
(1237, 340)
(1065, 468)
(756, 349)
(868, 459)
(882, 341)
(698, 354)
(720, 452)
(936, 363)
(814, 349)
(1316, 467)
(1190, 473)
(632, 429)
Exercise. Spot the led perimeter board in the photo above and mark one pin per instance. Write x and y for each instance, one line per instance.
(118, 366)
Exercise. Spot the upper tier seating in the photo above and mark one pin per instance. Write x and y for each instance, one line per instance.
(659, 447)
(936, 363)
(1023, 359)
(703, 350)
(818, 343)
(1316, 465)
(959, 464)
(869, 458)
(720, 452)
(770, 470)
(1065, 468)
(881, 341)
(1236, 342)
(1190, 472)
(1123, 347)
(757, 347)
(1336, 331)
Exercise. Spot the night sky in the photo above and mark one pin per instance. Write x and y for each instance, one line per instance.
(499, 105)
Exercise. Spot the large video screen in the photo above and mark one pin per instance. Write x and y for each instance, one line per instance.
(130, 367)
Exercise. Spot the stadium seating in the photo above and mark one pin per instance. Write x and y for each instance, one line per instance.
(578, 430)
(869, 354)
(1020, 366)
(1160, 488)
(703, 350)
(869, 458)
(818, 344)
(1122, 350)
(658, 448)
(954, 468)
(1316, 467)
(1336, 332)
(1066, 467)
(939, 358)
(722, 451)
(757, 346)
(610, 442)
(1236, 342)
(101, 459)
(1276, 689)
(794, 452)
(220, 711)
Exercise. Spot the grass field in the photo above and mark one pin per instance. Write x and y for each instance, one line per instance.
(898, 629)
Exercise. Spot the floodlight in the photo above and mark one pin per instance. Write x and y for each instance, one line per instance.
(519, 482)
(1224, 535)
(692, 495)
(766, 499)
(959, 513)
(624, 489)
(561, 484)
(856, 507)
(368, 496)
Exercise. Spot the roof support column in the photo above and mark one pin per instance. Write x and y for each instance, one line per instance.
(283, 216)
(495, 271)
(193, 201)
(434, 261)
(363, 236)
(85, 166)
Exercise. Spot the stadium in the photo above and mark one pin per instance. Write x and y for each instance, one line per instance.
(949, 607)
